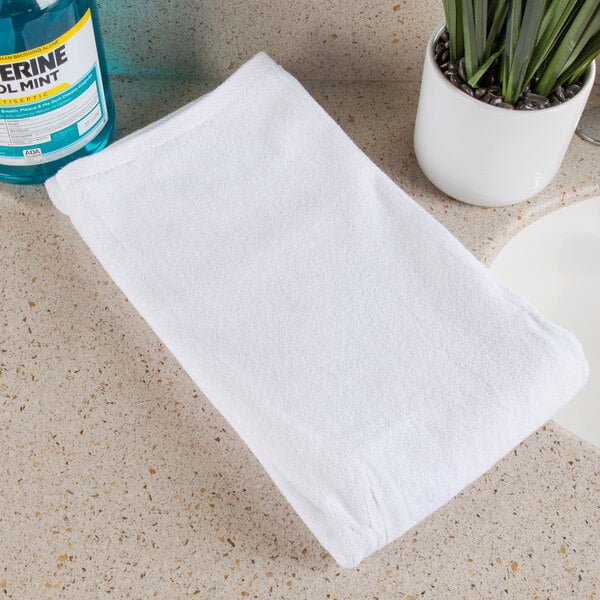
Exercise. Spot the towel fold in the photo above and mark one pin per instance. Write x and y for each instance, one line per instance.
(369, 361)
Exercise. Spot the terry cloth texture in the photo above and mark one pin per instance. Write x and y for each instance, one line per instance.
(369, 361)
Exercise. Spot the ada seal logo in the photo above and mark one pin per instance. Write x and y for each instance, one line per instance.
(32, 154)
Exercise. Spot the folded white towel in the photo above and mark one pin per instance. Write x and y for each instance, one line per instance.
(371, 363)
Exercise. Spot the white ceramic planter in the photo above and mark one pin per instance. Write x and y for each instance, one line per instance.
(485, 155)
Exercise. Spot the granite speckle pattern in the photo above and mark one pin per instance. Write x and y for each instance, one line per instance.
(376, 40)
(119, 479)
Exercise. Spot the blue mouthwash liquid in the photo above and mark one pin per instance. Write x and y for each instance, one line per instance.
(55, 101)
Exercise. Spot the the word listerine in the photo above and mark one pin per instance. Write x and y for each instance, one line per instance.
(32, 74)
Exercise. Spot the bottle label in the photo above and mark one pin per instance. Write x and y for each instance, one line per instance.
(52, 102)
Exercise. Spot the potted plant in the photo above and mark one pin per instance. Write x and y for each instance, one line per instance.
(504, 85)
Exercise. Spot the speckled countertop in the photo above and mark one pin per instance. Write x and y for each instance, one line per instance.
(118, 478)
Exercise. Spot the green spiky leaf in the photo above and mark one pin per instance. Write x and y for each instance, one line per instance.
(523, 44)
(452, 9)
(474, 81)
(566, 51)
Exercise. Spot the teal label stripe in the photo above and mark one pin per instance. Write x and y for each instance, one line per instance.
(59, 139)
(23, 111)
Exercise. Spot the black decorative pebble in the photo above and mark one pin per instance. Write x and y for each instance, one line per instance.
(491, 93)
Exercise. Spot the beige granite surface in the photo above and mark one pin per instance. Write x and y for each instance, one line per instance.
(118, 479)
(314, 39)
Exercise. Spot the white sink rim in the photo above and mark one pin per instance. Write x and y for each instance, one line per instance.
(551, 263)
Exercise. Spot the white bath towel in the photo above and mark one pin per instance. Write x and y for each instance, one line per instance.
(369, 361)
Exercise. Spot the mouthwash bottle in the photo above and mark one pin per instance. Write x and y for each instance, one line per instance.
(55, 101)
